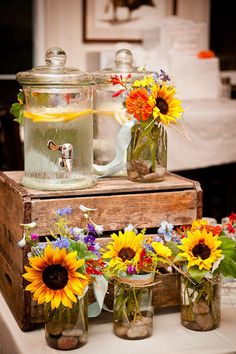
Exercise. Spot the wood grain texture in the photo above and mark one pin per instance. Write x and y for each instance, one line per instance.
(115, 212)
(107, 186)
(14, 210)
(18, 300)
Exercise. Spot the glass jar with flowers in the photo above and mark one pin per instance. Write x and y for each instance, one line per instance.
(206, 255)
(152, 103)
(131, 263)
(59, 272)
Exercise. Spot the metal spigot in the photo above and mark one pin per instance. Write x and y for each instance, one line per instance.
(66, 149)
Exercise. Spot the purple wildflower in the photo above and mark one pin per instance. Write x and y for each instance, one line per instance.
(91, 230)
(34, 237)
(149, 248)
(64, 211)
(62, 242)
(164, 76)
(131, 270)
(90, 239)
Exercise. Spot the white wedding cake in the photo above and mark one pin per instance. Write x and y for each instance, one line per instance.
(194, 77)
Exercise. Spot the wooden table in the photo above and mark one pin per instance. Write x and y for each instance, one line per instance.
(169, 337)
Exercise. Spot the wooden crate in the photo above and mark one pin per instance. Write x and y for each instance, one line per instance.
(118, 202)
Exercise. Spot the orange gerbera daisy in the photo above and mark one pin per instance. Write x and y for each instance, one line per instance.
(138, 104)
(54, 277)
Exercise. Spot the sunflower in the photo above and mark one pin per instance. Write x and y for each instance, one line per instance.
(167, 107)
(124, 250)
(161, 250)
(198, 224)
(54, 277)
(200, 248)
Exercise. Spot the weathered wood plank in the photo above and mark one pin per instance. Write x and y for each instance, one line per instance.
(14, 210)
(16, 297)
(117, 211)
(106, 186)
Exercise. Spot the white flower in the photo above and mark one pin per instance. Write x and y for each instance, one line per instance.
(78, 231)
(31, 225)
(131, 227)
(84, 209)
(99, 228)
(22, 242)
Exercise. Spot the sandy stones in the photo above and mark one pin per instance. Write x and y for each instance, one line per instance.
(66, 343)
(137, 331)
(72, 332)
(200, 307)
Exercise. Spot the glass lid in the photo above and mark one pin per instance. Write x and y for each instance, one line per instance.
(54, 72)
(123, 64)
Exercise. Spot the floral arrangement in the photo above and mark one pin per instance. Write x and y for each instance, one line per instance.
(151, 106)
(131, 261)
(61, 268)
(203, 253)
(131, 253)
(202, 249)
(59, 272)
(150, 100)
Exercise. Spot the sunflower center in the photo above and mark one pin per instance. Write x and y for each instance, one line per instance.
(126, 253)
(162, 105)
(55, 276)
(202, 251)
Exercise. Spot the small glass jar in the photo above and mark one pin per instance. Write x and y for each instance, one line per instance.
(65, 328)
(200, 303)
(133, 307)
(110, 114)
(58, 125)
(147, 154)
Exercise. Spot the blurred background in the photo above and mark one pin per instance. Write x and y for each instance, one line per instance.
(28, 28)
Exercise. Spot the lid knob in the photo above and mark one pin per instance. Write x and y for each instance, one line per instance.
(123, 58)
(55, 57)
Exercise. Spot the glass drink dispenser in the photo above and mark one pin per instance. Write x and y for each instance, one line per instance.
(58, 125)
(110, 114)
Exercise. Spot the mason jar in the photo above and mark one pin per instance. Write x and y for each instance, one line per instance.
(109, 113)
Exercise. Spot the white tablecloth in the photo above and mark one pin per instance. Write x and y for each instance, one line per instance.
(211, 126)
(169, 337)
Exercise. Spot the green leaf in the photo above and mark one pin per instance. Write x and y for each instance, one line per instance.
(227, 267)
(179, 258)
(197, 274)
(17, 108)
(173, 247)
(82, 251)
(17, 111)
(80, 247)
(227, 243)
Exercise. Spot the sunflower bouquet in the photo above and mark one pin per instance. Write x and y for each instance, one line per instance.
(151, 102)
(59, 272)
(203, 254)
(131, 262)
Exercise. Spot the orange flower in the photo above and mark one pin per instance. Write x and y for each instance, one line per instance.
(204, 54)
(137, 104)
(216, 230)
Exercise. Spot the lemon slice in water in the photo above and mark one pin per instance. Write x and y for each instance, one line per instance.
(120, 115)
(55, 116)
